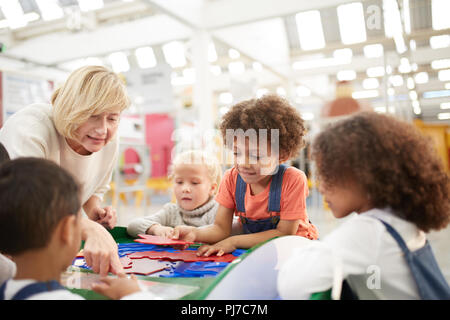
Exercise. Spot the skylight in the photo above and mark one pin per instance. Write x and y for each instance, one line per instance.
(89, 5)
(145, 57)
(50, 9)
(439, 13)
(351, 23)
(119, 62)
(174, 54)
(310, 30)
(13, 13)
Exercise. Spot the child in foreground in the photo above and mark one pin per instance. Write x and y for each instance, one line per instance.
(7, 267)
(196, 176)
(269, 198)
(389, 174)
(40, 228)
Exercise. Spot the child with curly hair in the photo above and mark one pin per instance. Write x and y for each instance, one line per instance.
(389, 174)
(268, 197)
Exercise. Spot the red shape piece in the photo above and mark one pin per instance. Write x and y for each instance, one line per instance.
(126, 262)
(150, 239)
(145, 267)
(184, 255)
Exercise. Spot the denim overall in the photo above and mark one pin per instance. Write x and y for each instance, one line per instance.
(32, 289)
(252, 225)
(424, 268)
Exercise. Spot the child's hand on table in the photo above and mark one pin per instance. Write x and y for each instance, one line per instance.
(219, 248)
(117, 288)
(186, 233)
(161, 231)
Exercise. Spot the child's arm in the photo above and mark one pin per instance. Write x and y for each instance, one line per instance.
(117, 288)
(159, 230)
(211, 233)
(245, 241)
(144, 225)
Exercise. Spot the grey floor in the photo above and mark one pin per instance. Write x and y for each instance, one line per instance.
(323, 219)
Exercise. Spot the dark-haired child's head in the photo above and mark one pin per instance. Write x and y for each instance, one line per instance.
(372, 160)
(263, 132)
(38, 199)
(4, 156)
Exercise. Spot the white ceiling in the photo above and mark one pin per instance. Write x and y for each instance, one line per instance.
(261, 30)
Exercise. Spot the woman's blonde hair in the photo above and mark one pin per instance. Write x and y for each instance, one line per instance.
(199, 157)
(88, 91)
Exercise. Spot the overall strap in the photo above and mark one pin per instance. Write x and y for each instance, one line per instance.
(2, 291)
(396, 236)
(35, 288)
(274, 194)
(275, 189)
(239, 194)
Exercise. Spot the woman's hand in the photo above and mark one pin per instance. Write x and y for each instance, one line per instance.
(106, 216)
(117, 288)
(219, 248)
(100, 249)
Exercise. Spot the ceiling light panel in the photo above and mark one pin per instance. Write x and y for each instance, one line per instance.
(373, 50)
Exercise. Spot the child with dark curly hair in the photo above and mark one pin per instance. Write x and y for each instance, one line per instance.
(268, 197)
(389, 174)
(40, 228)
(7, 267)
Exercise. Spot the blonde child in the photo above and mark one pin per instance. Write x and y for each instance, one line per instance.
(40, 228)
(268, 198)
(389, 174)
(195, 175)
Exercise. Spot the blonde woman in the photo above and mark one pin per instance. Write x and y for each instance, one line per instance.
(78, 132)
(196, 177)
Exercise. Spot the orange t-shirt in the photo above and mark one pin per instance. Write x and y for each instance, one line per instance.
(294, 191)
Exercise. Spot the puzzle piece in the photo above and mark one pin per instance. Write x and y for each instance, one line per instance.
(183, 255)
(146, 266)
(162, 241)
(201, 269)
(126, 262)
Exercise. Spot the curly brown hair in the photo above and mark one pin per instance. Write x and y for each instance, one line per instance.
(268, 112)
(391, 161)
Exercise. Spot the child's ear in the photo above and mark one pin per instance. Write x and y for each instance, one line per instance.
(213, 188)
(283, 158)
(67, 228)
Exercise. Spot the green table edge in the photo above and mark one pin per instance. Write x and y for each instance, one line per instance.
(206, 285)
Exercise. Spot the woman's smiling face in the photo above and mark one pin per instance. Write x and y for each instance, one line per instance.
(95, 133)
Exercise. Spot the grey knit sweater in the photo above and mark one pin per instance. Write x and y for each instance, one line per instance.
(171, 215)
